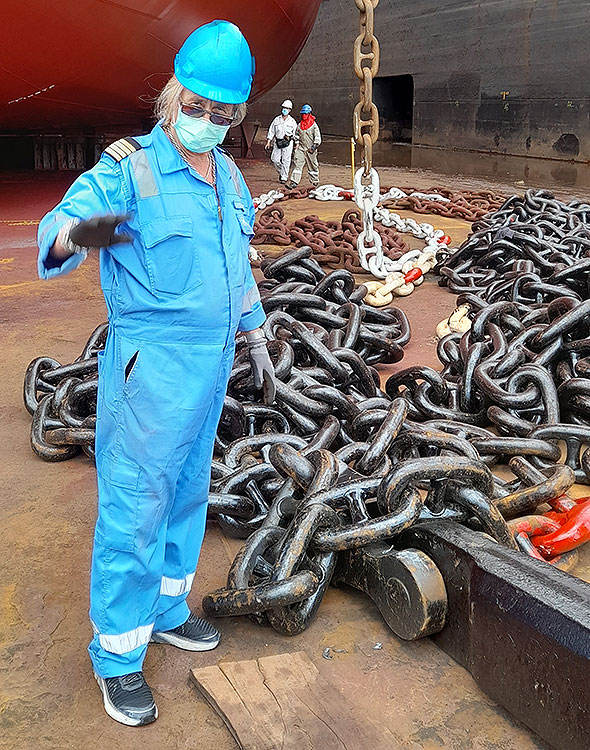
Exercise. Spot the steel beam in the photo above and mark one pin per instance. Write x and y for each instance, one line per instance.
(519, 625)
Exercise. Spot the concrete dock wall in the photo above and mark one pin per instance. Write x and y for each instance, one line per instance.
(506, 76)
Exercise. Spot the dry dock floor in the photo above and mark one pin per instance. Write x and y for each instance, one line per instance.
(48, 697)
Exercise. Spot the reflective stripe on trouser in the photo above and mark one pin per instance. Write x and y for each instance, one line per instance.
(154, 443)
(310, 161)
(281, 158)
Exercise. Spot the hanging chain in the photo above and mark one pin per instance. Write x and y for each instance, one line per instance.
(366, 131)
(366, 66)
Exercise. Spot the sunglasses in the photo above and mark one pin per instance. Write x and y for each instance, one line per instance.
(192, 110)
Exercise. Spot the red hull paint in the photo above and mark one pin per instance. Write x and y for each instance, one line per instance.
(80, 64)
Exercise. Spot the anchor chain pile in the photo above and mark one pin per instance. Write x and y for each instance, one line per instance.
(533, 249)
(523, 365)
(467, 205)
(339, 463)
(298, 294)
(334, 243)
(305, 491)
(519, 369)
(357, 480)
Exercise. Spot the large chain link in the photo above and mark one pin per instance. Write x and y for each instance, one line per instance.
(367, 199)
(366, 66)
(365, 122)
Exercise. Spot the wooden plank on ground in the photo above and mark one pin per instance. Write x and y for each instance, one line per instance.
(283, 703)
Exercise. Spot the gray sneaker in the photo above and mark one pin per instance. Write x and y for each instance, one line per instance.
(195, 634)
(128, 699)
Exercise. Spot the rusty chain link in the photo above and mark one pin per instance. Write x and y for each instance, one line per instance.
(333, 243)
(467, 205)
(366, 66)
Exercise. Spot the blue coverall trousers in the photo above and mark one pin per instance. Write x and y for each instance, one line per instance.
(153, 501)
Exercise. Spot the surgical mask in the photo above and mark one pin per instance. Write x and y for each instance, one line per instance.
(284, 111)
(198, 134)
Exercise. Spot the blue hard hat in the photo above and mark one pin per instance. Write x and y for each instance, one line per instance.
(215, 62)
(305, 110)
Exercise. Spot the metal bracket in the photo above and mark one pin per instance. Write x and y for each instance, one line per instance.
(406, 586)
(520, 626)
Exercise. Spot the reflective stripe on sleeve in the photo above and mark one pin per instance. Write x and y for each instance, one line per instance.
(49, 226)
(176, 586)
(251, 297)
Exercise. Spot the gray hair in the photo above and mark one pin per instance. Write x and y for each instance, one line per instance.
(169, 98)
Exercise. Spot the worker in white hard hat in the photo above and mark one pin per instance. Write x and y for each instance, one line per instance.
(280, 137)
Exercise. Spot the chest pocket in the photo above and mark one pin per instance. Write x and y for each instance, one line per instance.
(171, 254)
(242, 215)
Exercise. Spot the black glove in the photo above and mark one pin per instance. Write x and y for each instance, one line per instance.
(313, 149)
(99, 231)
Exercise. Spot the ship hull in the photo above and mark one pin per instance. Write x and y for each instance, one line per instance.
(92, 65)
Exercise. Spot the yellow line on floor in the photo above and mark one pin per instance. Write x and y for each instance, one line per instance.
(19, 285)
(20, 222)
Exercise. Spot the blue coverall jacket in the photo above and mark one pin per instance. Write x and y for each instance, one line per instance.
(176, 295)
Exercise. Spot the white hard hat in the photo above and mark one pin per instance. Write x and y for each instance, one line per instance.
(288, 104)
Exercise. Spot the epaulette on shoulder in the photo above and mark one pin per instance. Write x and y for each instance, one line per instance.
(122, 148)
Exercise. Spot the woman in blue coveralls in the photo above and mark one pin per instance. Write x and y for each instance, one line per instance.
(173, 218)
